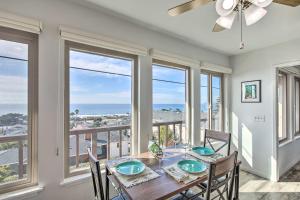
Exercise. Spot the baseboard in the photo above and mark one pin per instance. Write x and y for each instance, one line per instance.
(289, 168)
(254, 172)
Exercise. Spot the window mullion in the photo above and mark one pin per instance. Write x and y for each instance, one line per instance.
(210, 101)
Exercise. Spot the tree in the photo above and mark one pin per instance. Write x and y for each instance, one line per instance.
(163, 132)
(97, 122)
(76, 111)
(5, 172)
(8, 145)
(12, 119)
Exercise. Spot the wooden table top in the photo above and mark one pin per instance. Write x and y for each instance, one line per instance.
(162, 187)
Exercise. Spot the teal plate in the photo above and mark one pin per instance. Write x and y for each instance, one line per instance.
(191, 166)
(203, 151)
(130, 168)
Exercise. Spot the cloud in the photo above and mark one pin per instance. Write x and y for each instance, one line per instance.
(77, 88)
(13, 49)
(13, 90)
(164, 98)
(169, 74)
(100, 63)
(123, 97)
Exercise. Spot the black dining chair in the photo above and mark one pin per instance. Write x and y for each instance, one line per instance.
(211, 137)
(220, 182)
(97, 180)
(218, 141)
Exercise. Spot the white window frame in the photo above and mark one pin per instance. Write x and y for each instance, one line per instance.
(285, 108)
(69, 45)
(297, 79)
(187, 69)
(210, 74)
(31, 40)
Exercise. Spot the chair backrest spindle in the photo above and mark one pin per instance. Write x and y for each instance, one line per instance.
(96, 176)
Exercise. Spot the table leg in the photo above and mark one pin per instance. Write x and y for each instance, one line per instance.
(236, 183)
(106, 184)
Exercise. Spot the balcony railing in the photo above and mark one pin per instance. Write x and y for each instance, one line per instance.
(20, 140)
(92, 138)
(93, 134)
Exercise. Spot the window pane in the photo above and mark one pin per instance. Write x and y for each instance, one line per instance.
(168, 74)
(13, 111)
(13, 50)
(216, 114)
(169, 105)
(99, 63)
(204, 94)
(282, 80)
(99, 100)
(297, 105)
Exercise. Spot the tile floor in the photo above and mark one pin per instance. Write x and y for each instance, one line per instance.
(256, 188)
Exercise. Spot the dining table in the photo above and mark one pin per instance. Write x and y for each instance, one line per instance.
(164, 186)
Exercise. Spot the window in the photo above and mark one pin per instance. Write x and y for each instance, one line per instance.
(211, 101)
(282, 105)
(18, 109)
(297, 106)
(99, 105)
(170, 102)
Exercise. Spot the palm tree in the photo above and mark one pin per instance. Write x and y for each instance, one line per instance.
(76, 115)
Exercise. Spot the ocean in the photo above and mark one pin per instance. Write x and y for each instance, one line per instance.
(95, 109)
(111, 109)
(90, 109)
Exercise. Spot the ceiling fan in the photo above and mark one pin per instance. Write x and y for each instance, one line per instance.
(252, 10)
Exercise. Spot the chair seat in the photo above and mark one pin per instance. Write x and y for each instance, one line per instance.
(189, 194)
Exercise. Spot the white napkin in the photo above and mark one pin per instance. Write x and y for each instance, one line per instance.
(181, 176)
(208, 159)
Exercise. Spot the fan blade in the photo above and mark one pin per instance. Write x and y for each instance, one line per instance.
(293, 3)
(218, 28)
(177, 10)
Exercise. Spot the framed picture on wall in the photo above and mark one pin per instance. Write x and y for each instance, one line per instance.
(251, 91)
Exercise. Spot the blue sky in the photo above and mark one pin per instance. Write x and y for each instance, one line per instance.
(13, 73)
(88, 87)
(97, 88)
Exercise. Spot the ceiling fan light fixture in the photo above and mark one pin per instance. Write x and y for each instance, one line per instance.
(227, 4)
(225, 7)
(261, 3)
(253, 14)
(227, 21)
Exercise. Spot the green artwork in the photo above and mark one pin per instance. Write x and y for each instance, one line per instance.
(250, 92)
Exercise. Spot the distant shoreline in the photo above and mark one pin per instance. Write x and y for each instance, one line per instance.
(95, 109)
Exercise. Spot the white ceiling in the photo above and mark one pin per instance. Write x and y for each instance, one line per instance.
(281, 24)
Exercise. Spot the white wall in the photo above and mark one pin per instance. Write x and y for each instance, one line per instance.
(255, 140)
(53, 13)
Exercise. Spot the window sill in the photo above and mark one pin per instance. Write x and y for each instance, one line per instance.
(27, 193)
(286, 142)
(75, 180)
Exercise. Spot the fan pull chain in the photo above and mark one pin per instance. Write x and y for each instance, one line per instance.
(242, 44)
